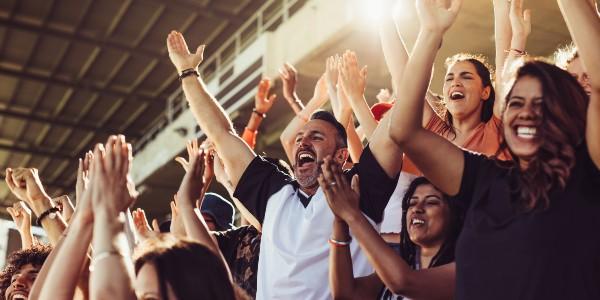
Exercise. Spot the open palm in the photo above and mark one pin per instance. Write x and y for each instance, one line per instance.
(436, 15)
(180, 54)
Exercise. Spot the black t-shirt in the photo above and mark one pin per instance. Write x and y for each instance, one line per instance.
(240, 248)
(551, 253)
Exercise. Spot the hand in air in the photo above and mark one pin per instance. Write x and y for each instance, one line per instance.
(110, 190)
(436, 16)
(289, 78)
(520, 20)
(352, 78)
(26, 185)
(141, 224)
(65, 205)
(83, 174)
(21, 215)
(332, 71)
(180, 55)
(342, 197)
(192, 185)
(262, 100)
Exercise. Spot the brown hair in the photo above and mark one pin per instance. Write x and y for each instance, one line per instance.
(190, 268)
(35, 255)
(561, 130)
(484, 71)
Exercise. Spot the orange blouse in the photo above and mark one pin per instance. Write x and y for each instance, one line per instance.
(484, 139)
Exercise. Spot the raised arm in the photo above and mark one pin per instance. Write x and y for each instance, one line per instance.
(342, 110)
(353, 80)
(190, 191)
(211, 117)
(583, 21)
(395, 42)
(502, 37)
(288, 135)
(26, 185)
(21, 215)
(289, 79)
(520, 23)
(111, 195)
(68, 264)
(342, 198)
(262, 104)
(440, 161)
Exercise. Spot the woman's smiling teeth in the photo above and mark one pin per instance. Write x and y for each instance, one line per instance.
(457, 95)
(416, 221)
(526, 132)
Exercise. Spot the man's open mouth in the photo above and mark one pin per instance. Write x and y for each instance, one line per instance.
(305, 157)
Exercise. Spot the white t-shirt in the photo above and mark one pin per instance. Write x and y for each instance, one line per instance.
(392, 215)
(294, 250)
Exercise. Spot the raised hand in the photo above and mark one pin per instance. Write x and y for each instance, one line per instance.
(26, 185)
(192, 185)
(21, 215)
(262, 100)
(520, 22)
(83, 174)
(342, 197)
(191, 146)
(141, 224)
(436, 16)
(353, 79)
(177, 228)
(65, 205)
(289, 78)
(110, 189)
(180, 55)
(332, 71)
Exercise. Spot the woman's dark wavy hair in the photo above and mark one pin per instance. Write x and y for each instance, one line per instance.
(408, 249)
(484, 72)
(35, 255)
(191, 269)
(561, 130)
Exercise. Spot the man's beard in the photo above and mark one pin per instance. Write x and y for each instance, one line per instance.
(308, 180)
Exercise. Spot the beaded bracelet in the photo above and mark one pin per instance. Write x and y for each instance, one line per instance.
(188, 72)
(517, 52)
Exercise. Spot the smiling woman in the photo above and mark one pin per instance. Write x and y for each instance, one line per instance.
(431, 227)
(540, 131)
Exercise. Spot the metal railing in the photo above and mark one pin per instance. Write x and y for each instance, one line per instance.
(267, 18)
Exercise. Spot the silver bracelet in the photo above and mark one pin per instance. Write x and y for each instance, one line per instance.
(340, 243)
(103, 255)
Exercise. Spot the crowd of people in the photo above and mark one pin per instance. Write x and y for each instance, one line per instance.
(488, 190)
